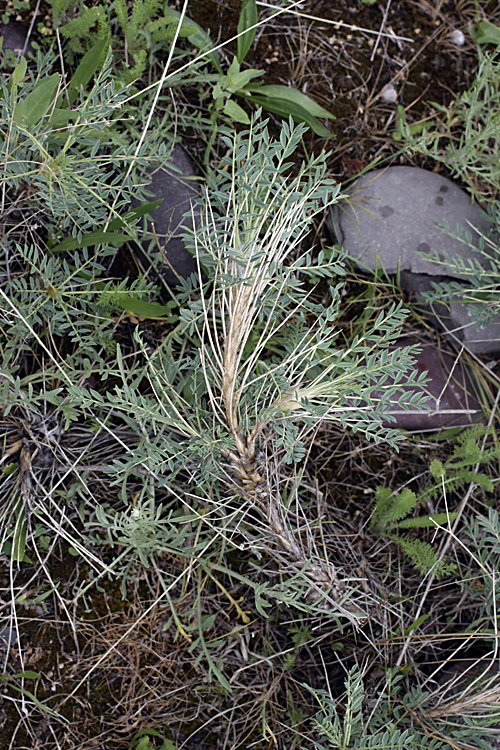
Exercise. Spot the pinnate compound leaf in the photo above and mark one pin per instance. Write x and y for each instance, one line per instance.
(391, 508)
(426, 522)
(424, 558)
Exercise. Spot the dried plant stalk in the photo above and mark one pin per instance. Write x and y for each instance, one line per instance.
(247, 465)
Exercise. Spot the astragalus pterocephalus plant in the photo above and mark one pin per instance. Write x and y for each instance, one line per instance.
(272, 368)
(257, 363)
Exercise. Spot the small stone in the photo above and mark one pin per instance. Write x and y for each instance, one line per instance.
(457, 37)
(453, 318)
(8, 637)
(389, 94)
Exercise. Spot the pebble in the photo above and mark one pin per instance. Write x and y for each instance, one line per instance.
(454, 318)
(389, 94)
(14, 38)
(8, 637)
(457, 37)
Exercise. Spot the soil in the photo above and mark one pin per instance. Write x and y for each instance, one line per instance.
(346, 68)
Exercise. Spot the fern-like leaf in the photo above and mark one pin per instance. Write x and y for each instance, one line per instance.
(391, 508)
(426, 522)
(423, 557)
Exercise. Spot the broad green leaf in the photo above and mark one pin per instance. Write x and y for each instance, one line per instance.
(144, 734)
(487, 33)
(288, 108)
(15, 546)
(32, 108)
(416, 623)
(241, 80)
(89, 64)
(111, 236)
(60, 117)
(150, 310)
(404, 129)
(171, 16)
(234, 68)
(28, 693)
(147, 732)
(247, 19)
(19, 72)
(237, 113)
(92, 238)
(27, 675)
(19, 543)
(293, 95)
(237, 79)
(202, 41)
(130, 217)
(39, 599)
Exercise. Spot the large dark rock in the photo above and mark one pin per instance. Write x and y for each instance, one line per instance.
(390, 221)
(452, 402)
(177, 185)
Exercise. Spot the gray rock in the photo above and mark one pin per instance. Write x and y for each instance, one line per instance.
(14, 38)
(455, 318)
(452, 400)
(8, 637)
(390, 219)
(175, 183)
